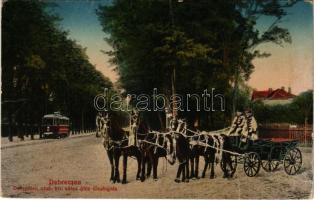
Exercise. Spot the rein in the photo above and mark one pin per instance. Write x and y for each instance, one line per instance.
(217, 141)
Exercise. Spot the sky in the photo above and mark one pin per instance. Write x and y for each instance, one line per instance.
(288, 66)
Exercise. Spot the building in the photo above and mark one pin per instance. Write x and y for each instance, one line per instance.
(273, 97)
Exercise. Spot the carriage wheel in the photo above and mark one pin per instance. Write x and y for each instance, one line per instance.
(252, 164)
(270, 165)
(234, 164)
(292, 161)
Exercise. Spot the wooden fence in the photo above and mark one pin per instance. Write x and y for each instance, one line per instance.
(287, 131)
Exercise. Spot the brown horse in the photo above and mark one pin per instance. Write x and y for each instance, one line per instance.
(117, 144)
(210, 146)
(183, 151)
(112, 135)
(154, 146)
(207, 153)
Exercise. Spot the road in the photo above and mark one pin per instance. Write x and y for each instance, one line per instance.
(82, 165)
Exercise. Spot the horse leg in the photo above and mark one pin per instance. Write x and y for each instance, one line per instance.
(229, 162)
(144, 160)
(149, 168)
(212, 170)
(116, 165)
(139, 163)
(232, 169)
(110, 156)
(212, 166)
(197, 160)
(179, 172)
(224, 165)
(183, 170)
(187, 170)
(155, 165)
(192, 160)
(206, 159)
(125, 164)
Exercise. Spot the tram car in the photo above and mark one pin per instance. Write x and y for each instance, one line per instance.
(55, 125)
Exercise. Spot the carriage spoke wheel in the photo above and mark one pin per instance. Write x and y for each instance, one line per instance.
(270, 165)
(293, 161)
(227, 167)
(252, 164)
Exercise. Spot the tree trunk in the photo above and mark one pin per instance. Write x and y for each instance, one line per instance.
(235, 93)
(305, 127)
(162, 126)
(173, 88)
(82, 121)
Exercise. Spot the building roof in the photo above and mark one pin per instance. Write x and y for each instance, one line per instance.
(278, 94)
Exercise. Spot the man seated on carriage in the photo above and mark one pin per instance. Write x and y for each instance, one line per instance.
(236, 128)
(237, 124)
(243, 129)
(249, 132)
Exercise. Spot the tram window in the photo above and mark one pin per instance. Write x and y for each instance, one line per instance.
(48, 121)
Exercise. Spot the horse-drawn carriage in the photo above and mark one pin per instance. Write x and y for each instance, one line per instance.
(265, 153)
(186, 145)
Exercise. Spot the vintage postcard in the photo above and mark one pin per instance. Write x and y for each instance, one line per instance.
(189, 99)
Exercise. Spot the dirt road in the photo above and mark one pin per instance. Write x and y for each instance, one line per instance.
(82, 168)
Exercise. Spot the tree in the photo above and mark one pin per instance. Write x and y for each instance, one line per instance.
(303, 105)
(299, 111)
(250, 37)
(208, 44)
(41, 65)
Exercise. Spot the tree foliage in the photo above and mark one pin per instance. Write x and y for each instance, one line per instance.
(298, 112)
(210, 44)
(41, 65)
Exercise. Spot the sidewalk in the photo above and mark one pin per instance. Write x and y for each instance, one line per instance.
(5, 143)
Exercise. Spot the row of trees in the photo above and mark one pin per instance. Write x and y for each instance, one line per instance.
(44, 71)
(188, 46)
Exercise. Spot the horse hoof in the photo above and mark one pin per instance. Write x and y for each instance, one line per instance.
(124, 182)
(186, 180)
(142, 179)
(212, 177)
(193, 178)
(197, 177)
(138, 178)
(155, 179)
(177, 180)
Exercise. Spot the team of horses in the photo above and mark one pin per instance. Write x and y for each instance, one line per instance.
(178, 144)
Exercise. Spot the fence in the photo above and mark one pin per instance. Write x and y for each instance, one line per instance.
(302, 133)
(22, 130)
